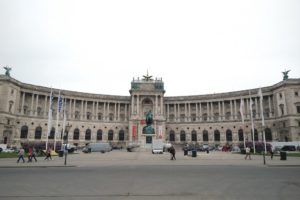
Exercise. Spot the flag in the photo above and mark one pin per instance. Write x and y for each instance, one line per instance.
(133, 131)
(262, 116)
(160, 130)
(49, 118)
(261, 106)
(242, 109)
(50, 113)
(60, 102)
(252, 123)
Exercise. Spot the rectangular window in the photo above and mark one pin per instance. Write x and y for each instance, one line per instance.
(298, 109)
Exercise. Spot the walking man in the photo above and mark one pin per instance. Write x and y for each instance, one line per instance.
(172, 152)
(21, 155)
(248, 153)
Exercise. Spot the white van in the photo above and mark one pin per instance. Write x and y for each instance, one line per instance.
(97, 147)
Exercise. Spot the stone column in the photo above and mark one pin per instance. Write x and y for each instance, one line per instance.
(108, 111)
(93, 111)
(119, 110)
(36, 104)
(231, 110)
(270, 106)
(235, 115)
(219, 107)
(197, 112)
(208, 112)
(185, 112)
(168, 112)
(190, 112)
(132, 104)
(126, 114)
(81, 110)
(115, 112)
(161, 106)
(212, 111)
(138, 104)
(45, 106)
(74, 108)
(223, 110)
(31, 106)
(85, 112)
(22, 105)
(156, 105)
(200, 108)
(97, 110)
(256, 108)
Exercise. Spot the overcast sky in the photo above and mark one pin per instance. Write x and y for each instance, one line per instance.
(197, 47)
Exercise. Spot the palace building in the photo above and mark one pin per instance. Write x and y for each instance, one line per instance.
(204, 119)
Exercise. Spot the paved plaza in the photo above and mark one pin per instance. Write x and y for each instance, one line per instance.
(117, 157)
(121, 175)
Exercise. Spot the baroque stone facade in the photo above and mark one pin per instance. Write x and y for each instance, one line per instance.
(203, 119)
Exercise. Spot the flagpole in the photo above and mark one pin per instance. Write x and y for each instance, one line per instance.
(49, 119)
(57, 118)
(64, 125)
(262, 121)
(252, 124)
(243, 121)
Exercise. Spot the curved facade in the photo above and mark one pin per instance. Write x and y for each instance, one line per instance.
(203, 119)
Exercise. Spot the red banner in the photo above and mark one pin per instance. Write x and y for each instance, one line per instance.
(143, 121)
(133, 131)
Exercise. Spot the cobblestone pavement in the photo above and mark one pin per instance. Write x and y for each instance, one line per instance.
(118, 157)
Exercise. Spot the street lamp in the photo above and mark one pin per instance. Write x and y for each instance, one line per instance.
(66, 141)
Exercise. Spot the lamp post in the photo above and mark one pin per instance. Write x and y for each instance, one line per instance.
(66, 142)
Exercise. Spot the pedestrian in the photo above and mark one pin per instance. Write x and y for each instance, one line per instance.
(30, 151)
(172, 152)
(21, 155)
(271, 153)
(34, 154)
(248, 153)
(48, 154)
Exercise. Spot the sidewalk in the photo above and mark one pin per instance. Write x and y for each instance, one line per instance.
(117, 157)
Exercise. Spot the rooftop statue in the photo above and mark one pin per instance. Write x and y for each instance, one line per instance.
(285, 74)
(147, 77)
(7, 72)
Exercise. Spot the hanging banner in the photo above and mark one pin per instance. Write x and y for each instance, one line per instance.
(160, 132)
(133, 132)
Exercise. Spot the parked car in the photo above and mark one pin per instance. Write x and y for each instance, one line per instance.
(288, 148)
(97, 147)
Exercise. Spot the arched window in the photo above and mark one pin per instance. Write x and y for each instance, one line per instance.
(172, 136)
(88, 134)
(217, 135)
(268, 134)
(76, 134)
(38, 133)
(229, 135)
(182, 136)
(194, 136)
(205, 136)
(241, 135)
(110, 135)
(121, 135)
(24, 132)
(99, 134)
(52, 133)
